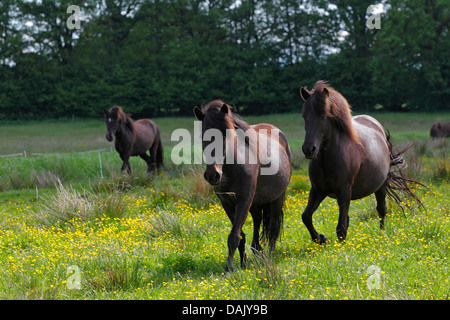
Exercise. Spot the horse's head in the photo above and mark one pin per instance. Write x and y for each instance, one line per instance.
(435, 131)
(317, 123)
(114, 117)
(216, 118)
(325, 109)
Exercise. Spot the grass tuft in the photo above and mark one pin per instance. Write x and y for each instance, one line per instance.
(69, 204)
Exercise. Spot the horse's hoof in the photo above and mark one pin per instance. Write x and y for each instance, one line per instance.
(321, 240)
(244, 263)
(228, 270)
(341, 239)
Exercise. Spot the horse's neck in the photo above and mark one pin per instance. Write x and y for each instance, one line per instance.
(331, 139)
(244, 149)
(241, 124)
(124, 129)
(334, 143)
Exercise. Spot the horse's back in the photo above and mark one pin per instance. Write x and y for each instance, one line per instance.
(273, 184)
(440, 130)
(146, 124)
(376, 160)
(269, 127)
(146, 132)
(446, 130)
(369, 122)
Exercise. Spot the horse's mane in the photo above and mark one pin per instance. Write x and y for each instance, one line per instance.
(335, 106)
(127, 120)
(215, 118)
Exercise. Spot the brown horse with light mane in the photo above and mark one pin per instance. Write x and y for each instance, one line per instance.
(350, 158)
(134, 138)
(246, 185)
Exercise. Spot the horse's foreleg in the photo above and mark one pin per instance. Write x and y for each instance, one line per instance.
(126, 163)
(314, 200)
(127, 166)
(241, 248)
(343, 199)
(236, 237)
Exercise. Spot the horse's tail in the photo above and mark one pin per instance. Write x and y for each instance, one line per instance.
(396, 181)
(159, 154)
(272, 224)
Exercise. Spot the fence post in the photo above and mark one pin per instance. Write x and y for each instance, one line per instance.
(100, 160)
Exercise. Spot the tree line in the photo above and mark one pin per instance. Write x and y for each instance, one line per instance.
(160, 58)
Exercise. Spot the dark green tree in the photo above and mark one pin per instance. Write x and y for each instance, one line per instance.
(411, 66)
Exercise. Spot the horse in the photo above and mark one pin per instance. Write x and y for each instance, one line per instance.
(440, 130)
(349, 158)
(134, 138)
(244, 186)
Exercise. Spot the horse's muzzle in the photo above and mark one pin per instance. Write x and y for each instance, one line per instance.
(213, 177)
(109, 136)
(310, 152)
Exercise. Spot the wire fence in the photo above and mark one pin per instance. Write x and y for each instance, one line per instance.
(25, 155)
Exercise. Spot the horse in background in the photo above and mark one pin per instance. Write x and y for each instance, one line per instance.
(244, 186)
(134, 138)
(350, 158)
(440, 130)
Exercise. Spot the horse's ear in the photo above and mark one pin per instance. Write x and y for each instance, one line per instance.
(105, 110)
(198, 113)
(224, 108)
(326, 92)
(304, 93)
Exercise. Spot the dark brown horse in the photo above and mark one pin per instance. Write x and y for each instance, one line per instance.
(249, 183)
(440, 130)
(350, 157)
(134, 138)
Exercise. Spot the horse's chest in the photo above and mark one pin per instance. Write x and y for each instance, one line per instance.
(330, 176)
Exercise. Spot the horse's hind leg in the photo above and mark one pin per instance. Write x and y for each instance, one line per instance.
(153, 151)
(256, 213)
(147, 159)
(276, 220)
(380, 195)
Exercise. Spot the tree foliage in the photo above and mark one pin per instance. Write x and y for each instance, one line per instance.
(161, 58)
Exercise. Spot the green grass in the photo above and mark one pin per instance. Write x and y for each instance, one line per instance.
(164, 236)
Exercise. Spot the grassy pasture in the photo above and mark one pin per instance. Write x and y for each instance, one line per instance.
(164, 237)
